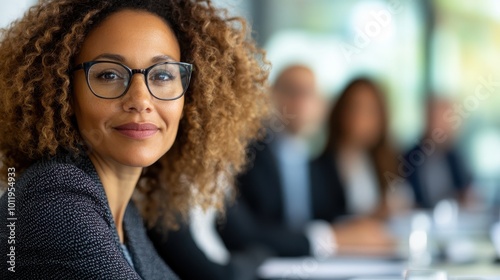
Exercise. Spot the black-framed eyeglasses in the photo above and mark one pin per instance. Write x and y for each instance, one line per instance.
(110, 80)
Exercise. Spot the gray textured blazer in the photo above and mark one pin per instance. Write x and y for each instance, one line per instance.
(65, 230)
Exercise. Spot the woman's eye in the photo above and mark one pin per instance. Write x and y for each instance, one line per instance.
(161, 76)
(108, 76)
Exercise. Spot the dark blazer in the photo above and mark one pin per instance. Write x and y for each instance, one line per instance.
(181, 252)
(65, 230)
(257, 218)
(460, 176)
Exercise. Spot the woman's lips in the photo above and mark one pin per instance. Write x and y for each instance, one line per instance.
(137, 130)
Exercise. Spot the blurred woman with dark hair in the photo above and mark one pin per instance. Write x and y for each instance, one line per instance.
(359, 146)
(358, 149)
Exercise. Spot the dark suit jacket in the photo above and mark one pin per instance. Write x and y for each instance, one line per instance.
(460, 176)
(257, 218)
(65, 230)
(181, 252)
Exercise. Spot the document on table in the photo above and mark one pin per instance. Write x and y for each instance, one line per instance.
(333, 268)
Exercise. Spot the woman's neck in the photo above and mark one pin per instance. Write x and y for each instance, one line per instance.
(119, 182)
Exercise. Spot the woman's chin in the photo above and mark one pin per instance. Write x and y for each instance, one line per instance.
(142, 163)
(138, 160)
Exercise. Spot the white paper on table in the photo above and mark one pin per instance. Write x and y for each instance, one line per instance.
(311, 268)
(377, 278)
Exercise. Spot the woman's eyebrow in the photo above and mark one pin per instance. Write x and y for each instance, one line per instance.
(161, 58)
(120, 58)
(110, 56)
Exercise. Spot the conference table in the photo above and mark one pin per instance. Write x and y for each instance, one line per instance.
(367, 269)
(461, 250)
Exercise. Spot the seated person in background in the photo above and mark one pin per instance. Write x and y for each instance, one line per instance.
(103, 130)
(437, 170)
(358, 149)
(285, 204)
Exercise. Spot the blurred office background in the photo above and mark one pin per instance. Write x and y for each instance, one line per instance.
(416, 49)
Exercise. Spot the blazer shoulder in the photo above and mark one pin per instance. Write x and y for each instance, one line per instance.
(62, 182)
(72, 173)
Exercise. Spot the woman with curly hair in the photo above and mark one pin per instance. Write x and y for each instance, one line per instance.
(116, 112)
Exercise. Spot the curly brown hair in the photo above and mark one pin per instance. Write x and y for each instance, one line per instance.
(224, 105)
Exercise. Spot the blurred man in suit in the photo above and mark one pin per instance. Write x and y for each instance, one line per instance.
(436, 168)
